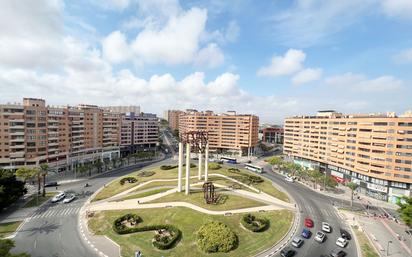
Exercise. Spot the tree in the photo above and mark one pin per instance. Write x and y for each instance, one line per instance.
(405, 210)
(106, 163)
(44, 169)
(11, 189)
(316, 175)
(330, 182)
(82, 169)
(275, 161)
(28, 173)
(99, 165)
(353, 186)
(6, 245)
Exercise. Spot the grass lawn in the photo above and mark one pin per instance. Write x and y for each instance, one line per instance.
(189, 221)
(144, 194)
(8, 228)
(367, 249)
(33, 201)
(225, 202)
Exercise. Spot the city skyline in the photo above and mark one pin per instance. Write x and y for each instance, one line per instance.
(273, 59)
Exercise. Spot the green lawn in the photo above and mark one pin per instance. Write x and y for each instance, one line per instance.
(189, 221)
(144, 194)
(33, 202)
(8, 228)
(367, 249)
(226, 201)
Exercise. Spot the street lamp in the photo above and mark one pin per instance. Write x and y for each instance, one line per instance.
(387, 248)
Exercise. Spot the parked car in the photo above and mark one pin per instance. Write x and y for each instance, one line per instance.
(337, 253)
(69, 198)
(289, 179)
(287, 252)
(306, 233)
(345, 234)
(320, 237)
(58, 197)
(342, 242)
(326, 227)
(51, 184)
(308, 222)
(297, 242)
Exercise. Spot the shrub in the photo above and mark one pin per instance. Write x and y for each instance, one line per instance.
(214, 166)
(254, 224)
(146, 173)
(255, 179)
(127, 179)
(233, 170)
(162, 243)
(191, 165)
(168, 167)
(216, 237)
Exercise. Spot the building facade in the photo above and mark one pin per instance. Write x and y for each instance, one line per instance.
(173, 119)
(228, 133)
(272, 135)
(32, 133)
(374, 151)
(123, 109)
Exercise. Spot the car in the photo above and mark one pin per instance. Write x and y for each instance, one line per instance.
(297, 242)
(337, 253)
(320, 237)
(342, 242)
(409, 232)
(345, 234)
(308, 222)
(51, 184)
(306, 233)
(69, 198)
(58, 197)
(287, 252)
(326, 227)
(289, 179)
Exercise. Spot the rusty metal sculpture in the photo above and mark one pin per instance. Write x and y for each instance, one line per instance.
(209, 193)
(197, 140)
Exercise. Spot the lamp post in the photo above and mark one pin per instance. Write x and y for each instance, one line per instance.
(387, 248)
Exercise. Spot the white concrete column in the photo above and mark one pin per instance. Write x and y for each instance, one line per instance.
(200, 166)
(206, 160)
(179, 174)
(187, 168)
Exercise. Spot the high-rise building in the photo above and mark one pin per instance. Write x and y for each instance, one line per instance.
(173, 119)
(272, 134)
(374, 151)
(63, 136)
(228, 132)
(139, 132)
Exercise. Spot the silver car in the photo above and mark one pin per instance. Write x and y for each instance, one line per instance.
(69, 198)
(58, 197)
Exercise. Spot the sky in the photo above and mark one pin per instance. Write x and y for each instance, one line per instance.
(272, 58)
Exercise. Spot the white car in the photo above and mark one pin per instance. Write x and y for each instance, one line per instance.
(58, 197)
(342, 242)
(320, 237)
(297, 242)
(289, 179)
(326, 227)
(69, 198)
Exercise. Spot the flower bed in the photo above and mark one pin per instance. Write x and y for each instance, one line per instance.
(254, 224)
(128, 180)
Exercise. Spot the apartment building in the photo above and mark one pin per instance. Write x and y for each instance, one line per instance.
(173, 119)
(32, 133)
(374, 151)
(122, 109)
(139, 132)
(229, 133)
(272, 134)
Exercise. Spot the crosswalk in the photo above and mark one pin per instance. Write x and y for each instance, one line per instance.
(53, 212)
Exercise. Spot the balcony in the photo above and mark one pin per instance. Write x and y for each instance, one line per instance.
(20, 146)
(19, 154)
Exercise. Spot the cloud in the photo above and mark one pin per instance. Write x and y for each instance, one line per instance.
(115, 47)
(307, 75)
(404, 56)
(288, 64)
(118, 5)
(210, 56)
(358, 82)
(397, 8)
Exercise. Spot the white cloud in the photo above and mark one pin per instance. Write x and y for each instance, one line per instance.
(404, 56)
(288, 64)
(397, 8)
(115, 47)
(307, 75)
(210, 56)
(118, 5)
(358, 82)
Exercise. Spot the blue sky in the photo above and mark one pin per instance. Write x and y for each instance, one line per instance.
(271, 58)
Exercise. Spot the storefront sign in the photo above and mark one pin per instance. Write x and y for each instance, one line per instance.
(378, 188)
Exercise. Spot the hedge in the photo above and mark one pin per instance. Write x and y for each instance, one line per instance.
(127, 179)
(164, 244)
(254, 224)
(214, 166)
(146, 173)
(233, 170)
(168, 167)
(216, 237)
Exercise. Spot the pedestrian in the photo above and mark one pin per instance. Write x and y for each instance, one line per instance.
(56, 188)
(138, 201)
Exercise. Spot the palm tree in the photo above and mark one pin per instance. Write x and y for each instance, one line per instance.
(353, 186)
(44, 169)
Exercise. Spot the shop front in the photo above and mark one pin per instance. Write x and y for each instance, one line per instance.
(377, 191)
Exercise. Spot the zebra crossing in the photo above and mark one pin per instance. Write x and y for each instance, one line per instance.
(56, 212)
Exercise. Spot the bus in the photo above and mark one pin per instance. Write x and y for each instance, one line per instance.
(254, 168)
(228, 160)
